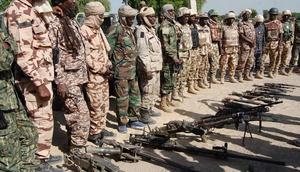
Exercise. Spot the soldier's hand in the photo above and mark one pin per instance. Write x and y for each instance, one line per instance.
(178, 61)
(43, 92)
(149, 75)
(62, 90)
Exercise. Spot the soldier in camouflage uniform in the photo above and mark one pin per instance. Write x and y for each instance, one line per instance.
(185, 45)
(229, 50)
(205, 43)
(124, 57)
(167, 33)
(98, 64)
(18, 138)
(260, 42)
(150, 57)
(192, 85)
(214, 53)
(273, 43)
(296, 47)
(247, 44)
(27, 23)
(71, 73)
(287, 41)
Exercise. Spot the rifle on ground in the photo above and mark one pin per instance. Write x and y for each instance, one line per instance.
(289, 86)
(220, 152)
(265, 99)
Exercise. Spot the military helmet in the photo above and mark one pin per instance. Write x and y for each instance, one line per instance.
(127, 11)
(212, 12)
(229, 15)
(193, 12)
(287, 13)
(259, 18)
(183, 11)
(203, 15)
(274, 11)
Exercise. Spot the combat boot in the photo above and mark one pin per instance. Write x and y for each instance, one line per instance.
(240, 77)
(283, 72)
(191, 88)
(170, 102)
(202, 85)
(290, 70)
(248, 78)
(205, 82)
(271, 75)
(258, 75)
(163, 104)
(145, 116)
(195, 85)
(232, 79)
(222, 78)
(181, 94)
(214, 80)
(175, 96)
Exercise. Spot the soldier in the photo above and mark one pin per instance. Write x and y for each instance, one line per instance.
(167, 33)
(229, 51)
(247, 44)
(273, 43)
(17, 133)
(28, 23)
(124, 57)
(193, 22)
(214, 53)
(98, 64)
(287, 41)
(296, 47)
(71, 73)
(184, 47)
(205, 43)
(150, 58)
(260, 42)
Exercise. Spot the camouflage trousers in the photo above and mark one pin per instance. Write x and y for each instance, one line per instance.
(98, 104)
(193, 65)
(77, 116)
(183, 73)
(128, 100)
(271, 50)
(230, 59)
(18, 143)
(41, 115)
(150, 90)
(245, 61)
(167, 79)
(285, 53)
(202, 68)
(214, 55)
(295, 55)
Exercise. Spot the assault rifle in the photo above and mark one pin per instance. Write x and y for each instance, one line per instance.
(249, 96)
(278, 85)
(220, 152)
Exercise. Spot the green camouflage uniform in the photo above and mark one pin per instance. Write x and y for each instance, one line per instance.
(17, 141)
(124, 55)
(168, 35)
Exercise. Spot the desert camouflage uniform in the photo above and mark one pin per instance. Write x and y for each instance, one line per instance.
(246, 59)
(273, 31)
(71, 70)
(214, 53)
(203, 64)
(184, 51)
(230, 43)
(97, 88)
(150, 53)
(194, 54)
(288, 38)
(124, 55)
(18, 140)
(35, 67)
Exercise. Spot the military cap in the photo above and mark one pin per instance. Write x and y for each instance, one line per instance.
(287, 13)
(203, 15)
(259, 18)
(274, 11)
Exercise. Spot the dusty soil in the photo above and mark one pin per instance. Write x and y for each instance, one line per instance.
(281, 125)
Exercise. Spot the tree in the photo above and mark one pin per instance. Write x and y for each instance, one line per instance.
(4, 4)
(254, 13)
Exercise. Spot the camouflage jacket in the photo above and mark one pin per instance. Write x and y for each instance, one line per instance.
(70, 69)
(8, 100)
(288, 31)
(124, 52)
(185, 43)
(168, 35)
(204, 39)
(273, 30)
(246, 28)
(216, 30)
(34, 53)
(97, 57)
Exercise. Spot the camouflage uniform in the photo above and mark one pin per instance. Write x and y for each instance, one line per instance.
(203, 64)
(288, 38)
(260, 41)
(184, 51)
(230, 42)
(18, 140)
(71, 70)
(149, 52)
(271, 49)
(246, 59)
(194, 57)
(35, 66)
(214, 53)
(124, 55)
(296, 47)
(97, 88)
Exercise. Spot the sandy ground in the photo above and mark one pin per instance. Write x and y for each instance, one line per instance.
(281, 126)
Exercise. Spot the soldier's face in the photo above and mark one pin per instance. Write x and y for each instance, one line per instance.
(273, 16)
(286, 17)
(184, 19)
(214, 18)
(246, 16)
(171, 13)
(152, 19)
(230, 21)
(193, 19)
(129, 20)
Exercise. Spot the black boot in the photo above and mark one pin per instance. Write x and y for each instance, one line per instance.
(145, 116)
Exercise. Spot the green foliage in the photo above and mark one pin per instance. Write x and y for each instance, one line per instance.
(106, 3)
(254, 13)
(4, 4)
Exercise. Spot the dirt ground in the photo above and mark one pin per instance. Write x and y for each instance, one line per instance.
(280, 126)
